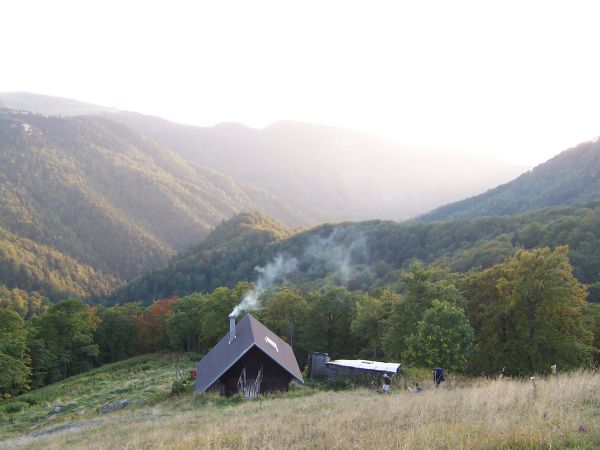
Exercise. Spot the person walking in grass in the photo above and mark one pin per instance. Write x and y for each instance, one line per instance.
(438, 376)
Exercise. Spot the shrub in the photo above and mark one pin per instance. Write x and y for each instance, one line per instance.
(30, 400)
(14, 407)
(194, 357)
(180, 387)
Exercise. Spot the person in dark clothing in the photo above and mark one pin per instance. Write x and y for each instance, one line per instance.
(438, 376)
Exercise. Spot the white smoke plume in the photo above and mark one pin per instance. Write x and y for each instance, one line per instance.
(337, 254)
(338, 251)
(268, 276)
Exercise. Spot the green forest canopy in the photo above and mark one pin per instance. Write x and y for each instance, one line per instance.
(376, 252)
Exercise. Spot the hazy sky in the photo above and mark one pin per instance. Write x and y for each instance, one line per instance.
(520, 80)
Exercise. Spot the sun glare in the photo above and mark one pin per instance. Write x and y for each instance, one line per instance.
(510, 79)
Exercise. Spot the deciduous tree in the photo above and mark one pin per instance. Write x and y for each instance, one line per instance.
(443, 338)
(116, 334)
(183, 323)
(63, 341)
(286, 313)
(535, 317)
(369, 324)
(15, 370)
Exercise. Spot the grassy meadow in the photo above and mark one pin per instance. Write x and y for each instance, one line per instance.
(143, 381)
(561, 412)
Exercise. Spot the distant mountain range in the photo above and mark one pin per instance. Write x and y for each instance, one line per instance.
(339, 174)
(571, 177)
(49, 105)
(327, 173)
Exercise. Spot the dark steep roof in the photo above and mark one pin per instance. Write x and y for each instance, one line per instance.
(249, 333)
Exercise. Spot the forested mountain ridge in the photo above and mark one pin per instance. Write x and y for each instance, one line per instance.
(110, 201)
(49, 105)
(375, 253)
(229, 254)
(571, 177)
(32, 267)
(326, 173)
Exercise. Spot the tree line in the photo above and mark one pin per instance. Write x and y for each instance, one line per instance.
(520, 316)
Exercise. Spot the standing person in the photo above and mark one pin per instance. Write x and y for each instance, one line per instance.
(438, 376)
(387, 383)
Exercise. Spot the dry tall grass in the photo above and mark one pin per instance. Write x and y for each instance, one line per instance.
(560, 412)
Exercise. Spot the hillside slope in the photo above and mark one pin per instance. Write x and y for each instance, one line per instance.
(142, 380)
(108, 198)
(466, 413)
(33, 267)
(572, 176)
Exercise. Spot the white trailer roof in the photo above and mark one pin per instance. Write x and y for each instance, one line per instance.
(367, 365)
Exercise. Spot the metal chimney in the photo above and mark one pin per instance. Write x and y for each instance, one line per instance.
(231, 327)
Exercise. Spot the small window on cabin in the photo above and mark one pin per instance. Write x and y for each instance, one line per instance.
(367, 362)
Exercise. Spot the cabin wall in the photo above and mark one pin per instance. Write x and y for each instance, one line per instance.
(275, 378)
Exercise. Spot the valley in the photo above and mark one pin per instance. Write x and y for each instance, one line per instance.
(126, 241)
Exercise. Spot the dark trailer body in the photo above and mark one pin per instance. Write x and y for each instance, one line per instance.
(352, 367)
(250, 359)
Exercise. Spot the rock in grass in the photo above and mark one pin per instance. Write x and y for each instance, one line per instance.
(120, 404)
(66, 427)
(63, 408)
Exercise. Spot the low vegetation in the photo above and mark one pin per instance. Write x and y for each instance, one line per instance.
(561, 412)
